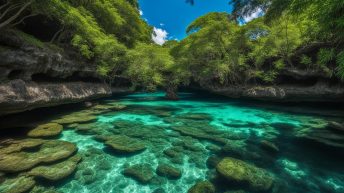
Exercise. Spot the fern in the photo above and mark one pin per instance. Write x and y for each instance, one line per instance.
(325, 56)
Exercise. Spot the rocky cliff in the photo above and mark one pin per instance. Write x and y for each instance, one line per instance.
(292, 85)
(33, 76)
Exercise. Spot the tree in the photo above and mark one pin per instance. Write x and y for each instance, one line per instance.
(149, 66)
(11, 12)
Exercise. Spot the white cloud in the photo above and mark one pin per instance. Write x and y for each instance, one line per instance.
(141, 12)
(162, 24)
(254, 15)
(159, 36)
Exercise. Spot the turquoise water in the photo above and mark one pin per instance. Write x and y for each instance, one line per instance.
(297, 167)
(194, 132)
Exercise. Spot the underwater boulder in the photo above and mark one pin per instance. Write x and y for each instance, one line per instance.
(19, 184)
(142, 173)
(124, 144)
(202, 187)
(240, 172)
(56, 171)
(168, 171)
(46, 130)
(49, 151)
(174, 154)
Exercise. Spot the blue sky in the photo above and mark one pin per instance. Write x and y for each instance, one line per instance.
(173, 16)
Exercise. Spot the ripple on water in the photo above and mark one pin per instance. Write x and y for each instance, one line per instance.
(102, 171)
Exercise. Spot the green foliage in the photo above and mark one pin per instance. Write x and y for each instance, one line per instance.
(306, 61)
(325, 56)
(28, 39)
(148, 66)
(102, 30)
(340, 62)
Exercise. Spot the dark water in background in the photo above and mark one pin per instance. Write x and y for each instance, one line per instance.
(300, 165)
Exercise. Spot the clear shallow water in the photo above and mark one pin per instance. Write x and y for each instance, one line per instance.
(300, 165)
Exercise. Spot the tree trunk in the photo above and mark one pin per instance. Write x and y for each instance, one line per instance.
(171, 92)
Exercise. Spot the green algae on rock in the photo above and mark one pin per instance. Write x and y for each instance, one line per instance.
(202, 187)
(49, 151)
(19, 184)
(57, 171)
(11, 146)
(77, 117)
(46, 130)
(141, 172)
(42, 189)
(168, 171)
(122, 143)
(240, 172)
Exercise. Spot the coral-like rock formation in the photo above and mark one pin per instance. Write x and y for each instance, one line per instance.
(240, 172)
(46, 130)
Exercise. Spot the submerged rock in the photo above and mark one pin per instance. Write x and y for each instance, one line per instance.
(269, 146)
(77, 117)
(240, 172)
(168, 171)
(141, 172)
(124, 144)
(195, 116)
(201, 133)
(48, 152)
(320, 131)
(19, 184)
(11, 146)
(46, 130)
(42, 189)
(202, 187)
(57, 171)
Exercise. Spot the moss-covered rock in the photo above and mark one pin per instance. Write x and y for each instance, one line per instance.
(202, 187)
(168, 171)
(56, 171)
(124, 144)
(19, 184)
(12, 146)
(47, 152)
(42, 189)
(46, 130)
(77, 117)
(240, 172)
(201, 133)
(141, 172)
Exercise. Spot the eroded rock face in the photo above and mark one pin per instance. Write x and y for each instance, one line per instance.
(240, 172)
(321, 92)
(18, 96)
(46, 152)
(33, 77)
(46, 130)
